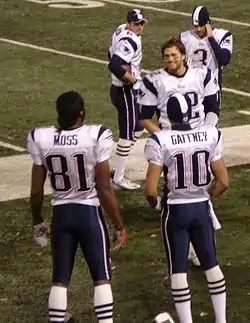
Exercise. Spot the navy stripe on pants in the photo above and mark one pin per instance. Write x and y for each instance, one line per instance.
(125, 100)
(182, 223)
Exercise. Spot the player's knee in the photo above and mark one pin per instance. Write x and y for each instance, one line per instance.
(60, 285)
(101, 282)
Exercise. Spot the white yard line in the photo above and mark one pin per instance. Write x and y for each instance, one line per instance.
(246, 112)
(12, 147)
(175, 12)
(92, 59)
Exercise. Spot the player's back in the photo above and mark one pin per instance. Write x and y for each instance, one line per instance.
(70, 156)
(187, 156)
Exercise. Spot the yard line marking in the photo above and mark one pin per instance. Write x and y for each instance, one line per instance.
(247, 113)
(92, 59)
(12, 147)
(175, 12)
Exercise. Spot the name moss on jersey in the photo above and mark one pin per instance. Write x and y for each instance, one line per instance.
(126, 45)
(199, 51)
(187, 156)
(70, 158)
(159, 85)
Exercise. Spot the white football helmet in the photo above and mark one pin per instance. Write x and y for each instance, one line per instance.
(163, 318)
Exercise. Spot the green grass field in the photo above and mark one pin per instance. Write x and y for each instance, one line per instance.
(29, 84)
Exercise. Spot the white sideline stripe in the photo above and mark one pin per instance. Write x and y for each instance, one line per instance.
(91, 59)
(12, 147)
(175, 12)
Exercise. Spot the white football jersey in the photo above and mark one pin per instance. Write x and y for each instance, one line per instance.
(159, 85)
(70, 158)
(126, 45)
(187, 155)
(199, 51)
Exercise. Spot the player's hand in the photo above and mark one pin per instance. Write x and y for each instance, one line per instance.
(119, 238)
(209, 30)
(158, 206)
(40, 234)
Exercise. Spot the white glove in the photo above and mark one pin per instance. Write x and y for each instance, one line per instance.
(158, 206)
(216, 223)
(40, 231)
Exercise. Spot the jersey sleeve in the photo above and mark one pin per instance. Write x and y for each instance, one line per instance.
(105, 144)
(219, 146)
(211, 86)
(147, 93)
(153, 151)
(227, 42)
(126, 49)
(33, 148)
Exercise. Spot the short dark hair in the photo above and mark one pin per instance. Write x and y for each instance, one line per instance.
(171, 43)
(69, 106)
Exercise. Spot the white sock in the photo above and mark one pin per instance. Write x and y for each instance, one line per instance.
(57, 304)
(103, 302)
(181, 296)
(217, 289)
(122, 153)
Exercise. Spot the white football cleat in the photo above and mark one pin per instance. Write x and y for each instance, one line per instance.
(126, 184)
(193, 257)
(163, 318)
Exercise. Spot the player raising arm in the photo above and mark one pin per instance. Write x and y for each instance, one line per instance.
(76, 158)
(188, 155)
(207, 46)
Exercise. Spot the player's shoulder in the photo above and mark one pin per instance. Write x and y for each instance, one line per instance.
(213, 132)
(202, 72)
(221, 34)
(161, 137)
(155, 74)
(97, 131)
(187, 34)
(38, 133)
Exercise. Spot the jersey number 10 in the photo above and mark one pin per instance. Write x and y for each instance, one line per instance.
(199, 175)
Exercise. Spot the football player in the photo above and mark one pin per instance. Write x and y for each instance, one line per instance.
(198, 83)
(189, 156)
(207, 46)
(125, 54)
(76, 158)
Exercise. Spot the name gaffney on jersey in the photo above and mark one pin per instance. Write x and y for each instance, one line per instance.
(189, 137)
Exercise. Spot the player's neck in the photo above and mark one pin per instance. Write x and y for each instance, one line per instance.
(179, 72)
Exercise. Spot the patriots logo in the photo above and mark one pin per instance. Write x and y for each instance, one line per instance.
(125, 50)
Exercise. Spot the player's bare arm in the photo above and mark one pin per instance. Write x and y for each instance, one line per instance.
(220, 182)
(149, 125)
(108, 201)
(37, 192)
(151, 186)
